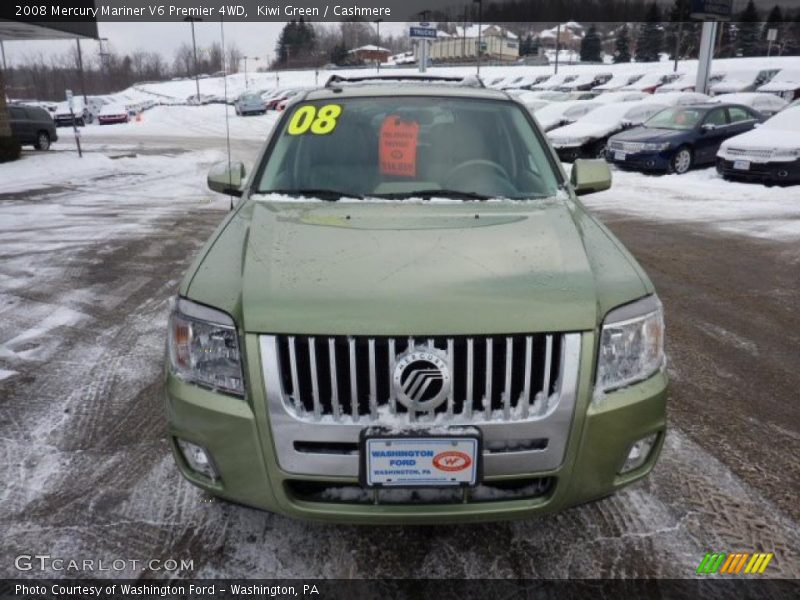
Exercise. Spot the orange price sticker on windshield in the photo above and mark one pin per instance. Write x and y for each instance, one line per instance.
(398, 147)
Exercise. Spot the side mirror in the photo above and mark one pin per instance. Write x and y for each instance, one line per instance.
(226, 178)
(589, 176)
(706, 127)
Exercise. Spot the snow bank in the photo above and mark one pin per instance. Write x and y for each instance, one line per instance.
(704, 197)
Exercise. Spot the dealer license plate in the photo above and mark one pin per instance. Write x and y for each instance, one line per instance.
(409, 461)
(619, 155)
(741, 165)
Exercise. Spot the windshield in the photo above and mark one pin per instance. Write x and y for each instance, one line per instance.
(675, 118)
(408, 147)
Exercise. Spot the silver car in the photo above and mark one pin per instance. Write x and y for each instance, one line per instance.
(250, 103)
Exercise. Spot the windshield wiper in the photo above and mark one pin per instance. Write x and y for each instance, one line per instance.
(321, 193)
(435, 194)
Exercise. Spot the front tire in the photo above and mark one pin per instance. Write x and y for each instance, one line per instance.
(42, 141)
(681, 161)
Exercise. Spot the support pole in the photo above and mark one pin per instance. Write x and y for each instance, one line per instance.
(706, 54)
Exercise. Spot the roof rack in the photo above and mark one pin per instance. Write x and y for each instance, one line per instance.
(469, 80)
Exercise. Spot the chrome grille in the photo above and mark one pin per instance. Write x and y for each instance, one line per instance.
(749, 153)
(632, 147)
(507, 377)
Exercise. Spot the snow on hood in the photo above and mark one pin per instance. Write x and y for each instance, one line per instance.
(602, 120)
(554, 113)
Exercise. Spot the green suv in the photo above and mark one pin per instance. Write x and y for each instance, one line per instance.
(411, 318)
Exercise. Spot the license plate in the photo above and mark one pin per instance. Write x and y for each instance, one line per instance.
(420, 460)
(741, 165)
(619, 155)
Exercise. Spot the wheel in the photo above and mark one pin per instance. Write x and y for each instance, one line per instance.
(681, 161)
(42, 141)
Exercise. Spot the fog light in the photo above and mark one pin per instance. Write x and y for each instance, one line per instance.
(639, 453)
(198, 459)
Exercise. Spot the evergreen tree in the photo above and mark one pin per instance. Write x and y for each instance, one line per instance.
(622, 53)
(296, 43)
(727, 45)
(650, 40)
(339, 54)
(680, 22)
(591, 46)
(791, 45)
(749, 34)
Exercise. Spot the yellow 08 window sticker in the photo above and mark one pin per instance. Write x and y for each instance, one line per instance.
(319, 122)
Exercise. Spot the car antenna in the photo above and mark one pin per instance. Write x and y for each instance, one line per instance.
(225, 84)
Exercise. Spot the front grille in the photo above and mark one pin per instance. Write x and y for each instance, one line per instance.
(350, 378)
(749, 153)
(632, 147)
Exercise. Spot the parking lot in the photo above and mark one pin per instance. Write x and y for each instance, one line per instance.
(88, 264)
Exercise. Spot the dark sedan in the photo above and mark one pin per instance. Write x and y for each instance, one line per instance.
(32, 125)
(680, 137)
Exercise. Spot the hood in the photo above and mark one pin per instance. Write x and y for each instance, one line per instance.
(402, 268)
(764, 138)
(581, 129)
(650, 134)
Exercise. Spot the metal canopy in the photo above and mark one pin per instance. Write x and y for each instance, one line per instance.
(18, 30)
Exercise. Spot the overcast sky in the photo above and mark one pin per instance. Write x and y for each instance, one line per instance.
(253, 39)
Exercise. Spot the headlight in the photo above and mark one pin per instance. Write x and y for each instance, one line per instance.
(787, 153)
(204, 347)
(655, 147)
(631, 344)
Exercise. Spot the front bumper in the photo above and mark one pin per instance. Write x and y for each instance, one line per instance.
(766, 172)
(237, 435)
(570, 153)
(642, 161)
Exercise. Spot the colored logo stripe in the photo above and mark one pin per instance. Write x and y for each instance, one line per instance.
(733, 563)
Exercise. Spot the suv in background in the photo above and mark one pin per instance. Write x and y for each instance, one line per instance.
(410, 317)
(32, 126)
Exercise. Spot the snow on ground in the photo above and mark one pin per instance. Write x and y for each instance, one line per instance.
(93, 198)
(702, 196)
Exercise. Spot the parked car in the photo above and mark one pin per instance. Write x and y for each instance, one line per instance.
(743, 80)
(587, 137)
(618, 81)
(32, 125)
(64, 116)
(585, 82)
(519, 82)
(557, 114)
(289, 372)
(611, 97)
(114, 113)
(687, 83)
(586, 95)
(680, 137)
(250, 103)
(649, 82)
(535, 105)
(548, 95)
(273, 102)
(766, 104)
(681, 98)
(554, 82)
(770, 153)
(785, 84)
